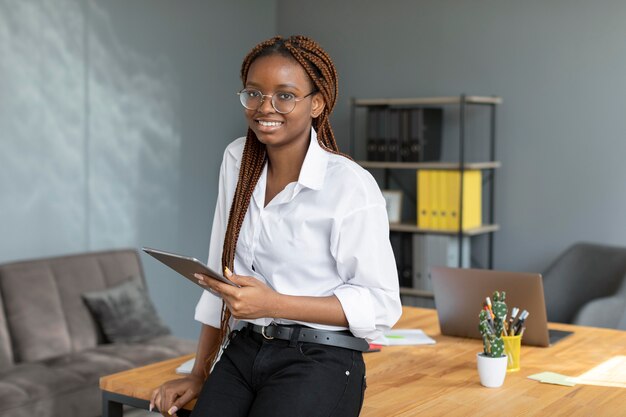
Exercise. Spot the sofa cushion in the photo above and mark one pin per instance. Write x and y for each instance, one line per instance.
(6, 353)
(68, 385)
(45, 313)
(149, 351)
(125, 312)
(35, 313)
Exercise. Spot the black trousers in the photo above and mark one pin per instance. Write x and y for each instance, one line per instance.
(257, 377)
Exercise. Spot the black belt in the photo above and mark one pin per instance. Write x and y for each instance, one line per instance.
(310, 335)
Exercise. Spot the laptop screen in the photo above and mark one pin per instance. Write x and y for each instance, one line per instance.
(460, 294)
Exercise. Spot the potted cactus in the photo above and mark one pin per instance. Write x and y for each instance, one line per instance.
(492, 361)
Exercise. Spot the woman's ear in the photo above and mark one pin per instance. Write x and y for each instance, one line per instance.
(317, 105)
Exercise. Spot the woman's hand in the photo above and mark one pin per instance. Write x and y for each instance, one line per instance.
(252, 300)
(173, 395)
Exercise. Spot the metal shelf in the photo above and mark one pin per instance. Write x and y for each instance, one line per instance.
(463, 102)
(412, 228)
(430, 165)
(416, 292)
(426, 101)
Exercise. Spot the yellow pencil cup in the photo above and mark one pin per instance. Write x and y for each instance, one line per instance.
(512, 348)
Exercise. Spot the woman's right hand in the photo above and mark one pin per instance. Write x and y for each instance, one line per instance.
(173, 395)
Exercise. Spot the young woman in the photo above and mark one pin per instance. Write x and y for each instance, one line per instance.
(305, 233)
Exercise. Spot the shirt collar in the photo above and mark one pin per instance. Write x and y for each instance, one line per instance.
(313, 169)
(312, 172)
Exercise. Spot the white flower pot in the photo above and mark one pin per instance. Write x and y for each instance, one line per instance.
(491, 370)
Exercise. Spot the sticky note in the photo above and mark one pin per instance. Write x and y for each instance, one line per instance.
(553, 378)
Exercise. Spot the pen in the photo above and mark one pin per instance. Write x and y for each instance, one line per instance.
(373, 347)
(514, 312)
(520, 322)
(488, 300)
(489, 320)
(516, 322)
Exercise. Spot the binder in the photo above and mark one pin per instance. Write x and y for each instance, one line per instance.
(438, 199)
(453, 200)
(437, 250)
(437, 192)
(426, 128)
(377, 146)
(393, 144)
(381, 149)
(423, 199)
(372, 134)
(405, 135)
(444, 208)
(472, 199)
(431, 132)
(401, 245)
(381, 134)
(415, 136)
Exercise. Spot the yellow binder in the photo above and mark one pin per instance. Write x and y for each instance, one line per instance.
(435, 193)
(423, 199)
(453, 200)
(438, 194)
(472, 199)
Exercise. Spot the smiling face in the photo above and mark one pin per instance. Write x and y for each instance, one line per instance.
(273, 74)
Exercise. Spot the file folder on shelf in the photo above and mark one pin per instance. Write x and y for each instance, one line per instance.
(438, 199)
(437, 250)
(423, 199)
(472, 199)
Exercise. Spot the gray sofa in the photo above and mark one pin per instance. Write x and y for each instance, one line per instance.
(52, 348)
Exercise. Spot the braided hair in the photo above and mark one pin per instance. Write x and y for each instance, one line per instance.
(321, 70)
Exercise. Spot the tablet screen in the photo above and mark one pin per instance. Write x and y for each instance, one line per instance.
(186, 266)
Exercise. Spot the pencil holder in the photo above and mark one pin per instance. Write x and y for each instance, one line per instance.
(512, 349)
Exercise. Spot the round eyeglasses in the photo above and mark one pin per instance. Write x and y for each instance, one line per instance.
(282, 102)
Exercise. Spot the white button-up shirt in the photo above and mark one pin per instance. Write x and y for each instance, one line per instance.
(326, 234)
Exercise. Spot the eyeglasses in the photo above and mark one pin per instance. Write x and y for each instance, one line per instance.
(282, 102)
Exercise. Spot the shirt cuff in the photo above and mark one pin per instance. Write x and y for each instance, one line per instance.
(358, 306)
(209, 310)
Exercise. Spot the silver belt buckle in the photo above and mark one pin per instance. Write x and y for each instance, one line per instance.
(263, 332)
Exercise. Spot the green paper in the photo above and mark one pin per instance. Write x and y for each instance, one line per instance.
(553, 378)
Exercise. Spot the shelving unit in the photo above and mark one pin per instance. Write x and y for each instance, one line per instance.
(490, 165)
(429, 165)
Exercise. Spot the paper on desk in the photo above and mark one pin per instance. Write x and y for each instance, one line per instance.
(554, 378)
(611, 373)
(404, 337)
(186, 367)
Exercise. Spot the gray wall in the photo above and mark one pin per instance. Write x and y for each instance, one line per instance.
(559, 66)
(113, 119)
(114, 114)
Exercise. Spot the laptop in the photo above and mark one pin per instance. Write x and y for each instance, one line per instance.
(460, 294)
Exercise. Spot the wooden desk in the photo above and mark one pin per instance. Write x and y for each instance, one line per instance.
(442, 379)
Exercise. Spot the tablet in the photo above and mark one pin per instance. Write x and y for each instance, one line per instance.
(186, 266)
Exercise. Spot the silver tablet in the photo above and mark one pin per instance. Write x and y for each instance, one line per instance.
(186, 266)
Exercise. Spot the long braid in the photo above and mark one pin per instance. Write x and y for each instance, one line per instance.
(323, 74)
(252, 164)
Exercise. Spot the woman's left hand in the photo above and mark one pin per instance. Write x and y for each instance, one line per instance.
(252, 300)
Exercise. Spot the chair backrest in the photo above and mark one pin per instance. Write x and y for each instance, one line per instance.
(585, 271)
(45, 315)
